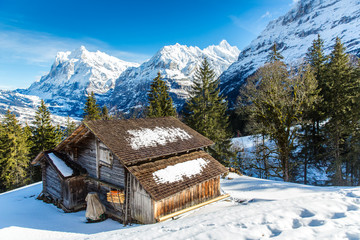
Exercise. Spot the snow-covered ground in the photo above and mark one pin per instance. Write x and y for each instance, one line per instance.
(258, 209)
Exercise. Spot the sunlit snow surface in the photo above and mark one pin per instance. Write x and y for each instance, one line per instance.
(179, 171)
(147, 137)
(270, 209)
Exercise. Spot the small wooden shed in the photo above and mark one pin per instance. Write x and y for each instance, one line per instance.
(144, 169)
(63, 181)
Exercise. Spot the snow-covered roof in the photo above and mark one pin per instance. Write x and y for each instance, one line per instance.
(62, 164)
(168, 176)
(65, 170)
(180, 171)
(148, 137)
(138, 140)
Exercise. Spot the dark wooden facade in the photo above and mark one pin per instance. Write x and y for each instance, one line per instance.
(102, 176)
(66, 192)
(101, 148)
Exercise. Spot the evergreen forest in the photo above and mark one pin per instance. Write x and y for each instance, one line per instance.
(303, 119)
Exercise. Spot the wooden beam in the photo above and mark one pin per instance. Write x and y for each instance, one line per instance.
(70, 138)
(78, 136)
(171, 215)
(97, 158)
(38, 157)
(82, 137)
(105, 183)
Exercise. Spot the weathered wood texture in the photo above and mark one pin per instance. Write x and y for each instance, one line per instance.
(189, 197)
(86, 157)
(115, 134)
(74, 192)
(160, 190)
(141, 207)
(53, 183)
(43, 175)
(115, 210)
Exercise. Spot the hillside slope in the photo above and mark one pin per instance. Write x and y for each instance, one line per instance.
(259, 209)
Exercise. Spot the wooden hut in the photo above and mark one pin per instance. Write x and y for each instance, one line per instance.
(63, 181)
(144, 169)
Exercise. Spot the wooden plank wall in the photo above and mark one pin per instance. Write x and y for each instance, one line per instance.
(189, 197)
(87, 155)
(74, 192)
(43, 174)
(53, 183)
(141, 206)
(87, 159)
(114, 174)
(114, 210)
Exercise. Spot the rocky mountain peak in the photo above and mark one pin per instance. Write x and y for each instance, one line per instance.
(76, 73)
(177, 64)
(224, 44)
(294, 33)
(79, 53)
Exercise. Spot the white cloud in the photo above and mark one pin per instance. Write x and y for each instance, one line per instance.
(266, 15)
(40, 48)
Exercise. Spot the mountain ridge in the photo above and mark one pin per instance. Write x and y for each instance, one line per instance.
(177, 65)
(293, 33)
(123, 86)
(74, 74)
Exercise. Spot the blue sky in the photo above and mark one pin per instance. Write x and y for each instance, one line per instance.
(32, 32)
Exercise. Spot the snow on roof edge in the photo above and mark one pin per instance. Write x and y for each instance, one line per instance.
(64, 169)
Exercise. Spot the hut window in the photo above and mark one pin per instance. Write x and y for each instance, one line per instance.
(116, 196)
(105, 155)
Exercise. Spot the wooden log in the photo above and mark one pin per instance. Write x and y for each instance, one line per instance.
(160, 219)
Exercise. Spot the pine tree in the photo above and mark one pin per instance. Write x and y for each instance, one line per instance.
(45, 136)
(341, 95)
(312, 137)
(276, 100)
(316, 58)
(91, 110)
(274, 55)
(14, 151)
(29, 143)
(70, 127)
(353, 155)
(160, 102)
(205, 111)
(2, 133)
(105, 113)
(28, 135)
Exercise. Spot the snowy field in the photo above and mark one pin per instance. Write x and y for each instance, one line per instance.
(258, 209)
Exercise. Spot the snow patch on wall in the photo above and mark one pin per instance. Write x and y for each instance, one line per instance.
(178, 171)
(146, 137)
(60, 164)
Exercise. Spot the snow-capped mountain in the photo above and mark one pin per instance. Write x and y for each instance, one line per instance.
(75, 74)
(294, 33)
(24, 107)
(177, 64)
(79, 70)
